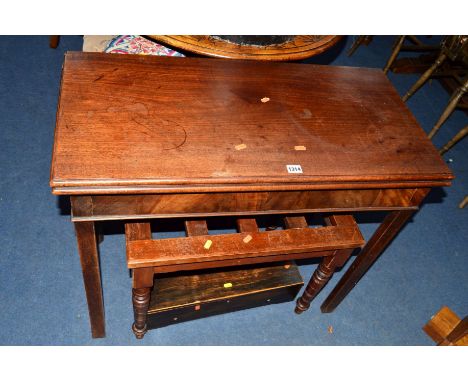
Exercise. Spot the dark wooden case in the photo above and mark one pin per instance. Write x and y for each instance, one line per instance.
(185, 296)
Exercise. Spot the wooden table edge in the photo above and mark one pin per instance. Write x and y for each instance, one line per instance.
(208, 188)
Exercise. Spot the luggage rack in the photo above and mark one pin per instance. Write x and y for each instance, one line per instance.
(199, 250)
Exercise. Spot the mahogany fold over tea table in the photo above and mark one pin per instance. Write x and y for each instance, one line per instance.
(141, 138)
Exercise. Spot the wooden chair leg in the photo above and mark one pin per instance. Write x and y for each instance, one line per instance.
(464, 202)
(54, 41)
(420, 82)
(360, 40)
(457, 95)
(457, 138)
(394, 54)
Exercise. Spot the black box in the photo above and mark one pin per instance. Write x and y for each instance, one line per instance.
(185, 296)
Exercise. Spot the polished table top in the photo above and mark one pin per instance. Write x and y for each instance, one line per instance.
(141, 124)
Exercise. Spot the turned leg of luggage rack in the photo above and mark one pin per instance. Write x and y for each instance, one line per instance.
(322, 274)
(142, 280)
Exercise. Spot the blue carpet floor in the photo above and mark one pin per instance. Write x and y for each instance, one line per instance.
(41, 289)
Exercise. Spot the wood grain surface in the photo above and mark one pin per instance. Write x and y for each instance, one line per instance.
(147, 206)
(128, 121)
(144, 253)
(188, 296)
(192, 288)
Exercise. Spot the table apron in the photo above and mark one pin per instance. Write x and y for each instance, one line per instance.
(150, 206)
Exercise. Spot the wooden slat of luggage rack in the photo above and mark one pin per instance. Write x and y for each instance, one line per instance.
(231, 249)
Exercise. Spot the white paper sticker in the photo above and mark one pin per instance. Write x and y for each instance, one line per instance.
(294, 168)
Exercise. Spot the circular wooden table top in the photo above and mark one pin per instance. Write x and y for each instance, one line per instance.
(261, 47)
